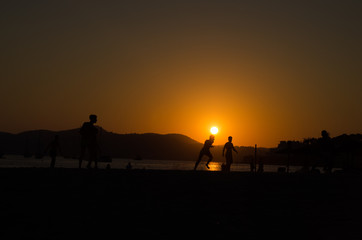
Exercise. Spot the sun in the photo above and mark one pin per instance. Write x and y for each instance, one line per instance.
(214, 130)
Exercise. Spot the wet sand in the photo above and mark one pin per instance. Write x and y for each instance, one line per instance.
(62, 203)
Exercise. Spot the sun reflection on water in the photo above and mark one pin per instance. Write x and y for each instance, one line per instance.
(214, 166)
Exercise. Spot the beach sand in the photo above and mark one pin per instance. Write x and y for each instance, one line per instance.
(38, 203)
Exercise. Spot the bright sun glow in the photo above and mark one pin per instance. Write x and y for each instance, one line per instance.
(214, 130)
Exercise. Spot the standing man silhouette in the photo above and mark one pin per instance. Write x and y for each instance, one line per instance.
(88, 134)
(206, 151)
(229, 153)
(326, 150)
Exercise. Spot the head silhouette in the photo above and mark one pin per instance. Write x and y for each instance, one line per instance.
(325, 134)
(230, 138)
(93, 118)
(212, 137)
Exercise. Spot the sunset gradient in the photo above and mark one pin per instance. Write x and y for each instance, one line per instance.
(262, 71)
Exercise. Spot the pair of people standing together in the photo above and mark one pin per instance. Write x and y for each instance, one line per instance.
(229, 147)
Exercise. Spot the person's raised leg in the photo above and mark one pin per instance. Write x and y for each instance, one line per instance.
(210, 159)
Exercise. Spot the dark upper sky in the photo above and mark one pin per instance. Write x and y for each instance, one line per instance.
(261, 71)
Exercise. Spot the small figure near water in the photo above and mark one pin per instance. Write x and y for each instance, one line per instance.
(206, 151)
(53, 148)
(88, 134)
(229, 147)
(326, 149)
(260, 166)
(129, 166)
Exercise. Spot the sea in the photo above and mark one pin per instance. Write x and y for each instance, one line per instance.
(19, 161)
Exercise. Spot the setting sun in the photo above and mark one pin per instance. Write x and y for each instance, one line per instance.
(214, 130)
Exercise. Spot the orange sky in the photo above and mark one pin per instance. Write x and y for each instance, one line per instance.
(262, 72)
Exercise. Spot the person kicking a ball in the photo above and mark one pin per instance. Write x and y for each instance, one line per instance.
(206, 151)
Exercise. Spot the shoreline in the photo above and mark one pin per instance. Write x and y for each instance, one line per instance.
(18, 161)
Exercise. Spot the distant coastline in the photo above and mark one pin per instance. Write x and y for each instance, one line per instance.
(177, 147)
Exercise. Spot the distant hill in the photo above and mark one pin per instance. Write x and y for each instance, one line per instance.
(147, 146)
(176, 147)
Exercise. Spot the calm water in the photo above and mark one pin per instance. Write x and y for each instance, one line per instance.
(120, 163)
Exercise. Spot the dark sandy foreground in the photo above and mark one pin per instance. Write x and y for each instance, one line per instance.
(114, 204)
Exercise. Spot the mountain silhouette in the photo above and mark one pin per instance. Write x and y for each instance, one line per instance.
(144, 146)
(348, 152)
(147, 146)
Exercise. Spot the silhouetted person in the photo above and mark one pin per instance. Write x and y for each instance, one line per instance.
(326, 148)
(229, 147)
(129, 166)
(251, 164)
(53, 149)
(260, 166)
(88, 134)
(206, 151)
